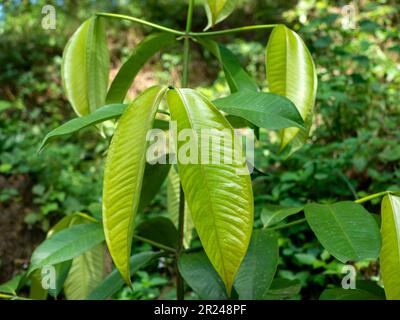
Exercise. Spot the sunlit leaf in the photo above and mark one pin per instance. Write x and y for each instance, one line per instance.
(85, 67)
(390, 253)
(123, 175)
(219, 195)
(291, 73)
(218, 10)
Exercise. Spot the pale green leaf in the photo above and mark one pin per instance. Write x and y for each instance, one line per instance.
(291, 73)
(345, 229)
(218, 10)
(85, 67)
(123, 175)
(390, 253)
(219, 195)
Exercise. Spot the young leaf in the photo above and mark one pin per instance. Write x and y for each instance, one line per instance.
(142, 53)
(66, 245)
(200, 275)
(173, 196)
(159, 229)
(85, 67)
(390, 253)
(291, 73)
(272, 214)
(123, 175)
(102, 114)
(218, 10)
(258, 267)
(113, 282)
(345, 229)
(266, 110)
(236, 77)
(85, 274)
(219, 196)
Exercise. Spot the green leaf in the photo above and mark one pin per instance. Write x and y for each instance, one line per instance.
(61, 270)
(200, 275)
(66, 245)
(159, 229)
(123, 175)
(283, 289)
(142, 53)
(11, 286)
(154, 177)
(85, 67)
(390, 253)
(266, 110)
(291, 73)
(258, 267)
(218, 10)
(236, 77)
(173, 196)
(85, 274)
(345, 229)
(36, 291)
(347, 294)
(219, 196)
(272, 214)
(113, 282)
(102, 114)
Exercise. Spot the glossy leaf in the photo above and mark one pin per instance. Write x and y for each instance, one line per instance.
(66, 244)
(345, 229)
(266, 110)
(154, 177)
(85, 67)
(258, 267)
(173, 196)
(283, 289)
(218, 10)
(85, 274)
(273, 214)
(390, 253)
(219, 196)
(159, 229)
(141, 54)
(291, 73)
(236, 77)
(200, 275)
(123, 175)
(113, 282)
(102, 114)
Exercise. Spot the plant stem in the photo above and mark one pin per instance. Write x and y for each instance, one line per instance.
(234, 30)
(181, 219)
(12, 297)
(375, 195)
(288, 224)
(154, 243)
(143, 22)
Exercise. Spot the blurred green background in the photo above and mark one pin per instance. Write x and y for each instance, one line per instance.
(353, 150)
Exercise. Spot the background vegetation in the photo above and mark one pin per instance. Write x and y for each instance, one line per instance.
(353, 151)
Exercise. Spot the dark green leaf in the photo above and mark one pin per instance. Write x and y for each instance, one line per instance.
(345, 229)
(266, 110)
(283, 289)
(258, 267)
(113, 282)
(272, 214)
(347, 294)
(200, 275)
(159, 229)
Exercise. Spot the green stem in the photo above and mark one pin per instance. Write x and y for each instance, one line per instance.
(230, 31)
(155, 244)
(141, 21)
(373, 196)
(12, 297)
